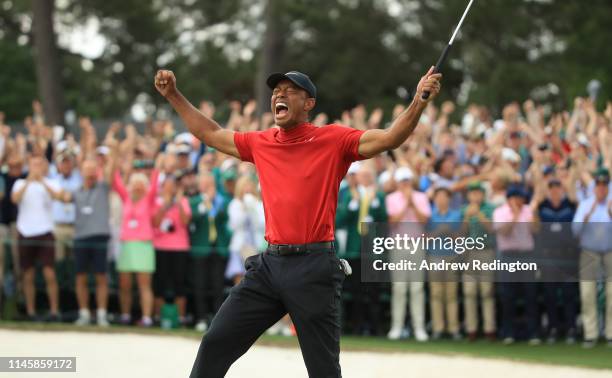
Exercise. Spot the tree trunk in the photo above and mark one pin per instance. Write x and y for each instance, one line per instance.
(50, 88)
(271, 54)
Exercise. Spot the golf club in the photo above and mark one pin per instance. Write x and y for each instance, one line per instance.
(447, 48)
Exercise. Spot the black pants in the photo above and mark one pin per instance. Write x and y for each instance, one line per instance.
(307, 286)
(566, 294)
(514, 287)
(208, 282)
(510, 292)
(170, 272)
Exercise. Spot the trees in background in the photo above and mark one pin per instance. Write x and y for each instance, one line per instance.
(357, 51)
(50, 86)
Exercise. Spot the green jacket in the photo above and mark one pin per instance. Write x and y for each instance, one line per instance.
(347, 217)
(476, 229)
(199, 227)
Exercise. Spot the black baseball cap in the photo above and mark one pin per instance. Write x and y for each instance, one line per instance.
(297, 78)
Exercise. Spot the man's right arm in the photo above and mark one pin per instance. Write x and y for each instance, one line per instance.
(202, 127)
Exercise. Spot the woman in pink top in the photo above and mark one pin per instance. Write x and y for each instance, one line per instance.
(136, 256)
(171, 218)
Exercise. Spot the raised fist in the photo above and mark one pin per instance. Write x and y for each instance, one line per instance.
(165, 82)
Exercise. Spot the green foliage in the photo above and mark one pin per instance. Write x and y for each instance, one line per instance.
(18, 87)
(356, 51)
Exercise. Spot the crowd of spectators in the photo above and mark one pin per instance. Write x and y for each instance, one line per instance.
(179, 218)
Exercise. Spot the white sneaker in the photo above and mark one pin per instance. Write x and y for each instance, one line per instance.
(534, 341)
(394, 334)
(420, 335)
(101, 319)
(84, 318)
(201, 326)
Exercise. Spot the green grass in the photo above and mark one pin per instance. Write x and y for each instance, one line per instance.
(599, 357)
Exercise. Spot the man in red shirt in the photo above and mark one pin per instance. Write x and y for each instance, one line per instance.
(300, 167)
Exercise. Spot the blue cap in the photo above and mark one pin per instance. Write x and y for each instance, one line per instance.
(297, 78)
(516, 191)
(548, 170)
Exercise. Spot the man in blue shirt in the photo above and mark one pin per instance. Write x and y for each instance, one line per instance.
(592, 224)
(444, 222)
(69, 179)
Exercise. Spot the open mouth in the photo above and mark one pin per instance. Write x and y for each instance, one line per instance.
(281, 109)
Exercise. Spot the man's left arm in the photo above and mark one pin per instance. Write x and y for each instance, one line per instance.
(375, 141)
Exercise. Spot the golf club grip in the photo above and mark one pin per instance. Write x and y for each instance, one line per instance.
(438, 67)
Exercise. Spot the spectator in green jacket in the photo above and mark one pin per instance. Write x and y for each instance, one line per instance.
(363, 203)
(477, 215)
(210, 238)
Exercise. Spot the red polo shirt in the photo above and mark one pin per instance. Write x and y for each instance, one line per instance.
(299, 173)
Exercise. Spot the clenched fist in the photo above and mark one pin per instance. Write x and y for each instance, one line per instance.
(165, 82)
(429, 83)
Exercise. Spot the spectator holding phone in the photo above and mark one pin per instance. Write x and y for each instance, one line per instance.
(171, 217)
(34, 197)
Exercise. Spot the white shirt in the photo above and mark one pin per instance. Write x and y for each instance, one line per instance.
(35, 211)
(247, 223)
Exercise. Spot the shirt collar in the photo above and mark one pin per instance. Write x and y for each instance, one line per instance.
(295, 134)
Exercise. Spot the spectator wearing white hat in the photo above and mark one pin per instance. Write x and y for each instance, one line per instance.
(183, 159)
(411, 207)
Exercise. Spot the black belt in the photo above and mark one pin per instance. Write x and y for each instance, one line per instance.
(291, 249)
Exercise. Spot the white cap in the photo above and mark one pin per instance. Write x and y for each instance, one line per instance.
(481, 128)
(228, 164)
(403, 173)
(103, 150)
(61, 146)
(185, 138)
(354, 168)
(583, 140)
(499, 124)
(182, 149)
(384, 177)
(510, 155)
